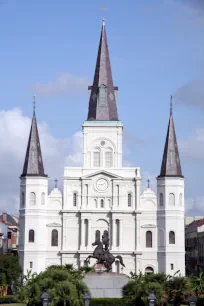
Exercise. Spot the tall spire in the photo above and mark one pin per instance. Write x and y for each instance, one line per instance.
(102, 103)
(171, 162)
(33, 165)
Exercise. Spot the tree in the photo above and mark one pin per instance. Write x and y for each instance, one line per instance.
(10, 270)
(198, 283)
(64, 285)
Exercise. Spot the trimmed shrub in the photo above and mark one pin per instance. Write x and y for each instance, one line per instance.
(8, 299)
(107, 302)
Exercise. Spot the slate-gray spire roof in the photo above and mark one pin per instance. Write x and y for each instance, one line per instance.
(103, 78)
(33, 165)
(171, 166)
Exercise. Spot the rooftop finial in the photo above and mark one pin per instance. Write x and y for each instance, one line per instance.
(56, 181)
(103, 9)
(171, 105)
(34, 102)
(148, 183)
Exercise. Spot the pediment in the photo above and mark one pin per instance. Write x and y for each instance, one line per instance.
(103, 172)
(54, 224)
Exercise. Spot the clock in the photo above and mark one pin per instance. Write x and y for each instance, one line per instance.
(101, 184)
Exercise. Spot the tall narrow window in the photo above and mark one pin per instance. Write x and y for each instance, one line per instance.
(102, 96)
(22, 198)
(54, 238)
(117, 194)
(75, 199)
(86, 232)
(171, 237)
(109, 203)
(180, 199)
(172, 199)
(102, 203)
(97, 235)
(95, 203)
(117, 266)
(87, 190)
(31, 236)
(161, 199)
(31, 264)
(96, 159)
(109, 159)
(42, 198)
(117, 233)
(148, 239)
(129, 200)
(32, 199)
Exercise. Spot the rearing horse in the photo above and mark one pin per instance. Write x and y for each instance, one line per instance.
(104, 256)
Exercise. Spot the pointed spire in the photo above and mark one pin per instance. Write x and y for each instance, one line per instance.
(102, 103)
(171, 162)
(33, 165)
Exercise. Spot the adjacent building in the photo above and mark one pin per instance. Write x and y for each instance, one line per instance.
(146, 229)
(11, 225)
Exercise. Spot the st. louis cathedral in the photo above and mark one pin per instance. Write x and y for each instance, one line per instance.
(146, 229)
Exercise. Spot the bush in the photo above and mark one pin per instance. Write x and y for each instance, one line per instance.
(8, 299)
(107, 302)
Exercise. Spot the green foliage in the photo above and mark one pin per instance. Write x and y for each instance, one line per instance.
(107, 302)
(165, 287)
(200, 302)
(64, 285)
(10, 269)
(8, 299)
(198, 283)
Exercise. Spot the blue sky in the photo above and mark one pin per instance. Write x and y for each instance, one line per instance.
(49, 48)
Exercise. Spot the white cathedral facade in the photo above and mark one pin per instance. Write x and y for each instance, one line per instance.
(147, 230)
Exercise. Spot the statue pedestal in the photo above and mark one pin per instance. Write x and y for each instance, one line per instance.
(105, 284)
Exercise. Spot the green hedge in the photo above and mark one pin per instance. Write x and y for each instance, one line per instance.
(107, 302)
(8, 299)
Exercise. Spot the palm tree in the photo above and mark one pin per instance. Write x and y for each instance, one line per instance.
(198, 283)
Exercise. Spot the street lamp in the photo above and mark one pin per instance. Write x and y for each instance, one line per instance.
(151, 299)
(86, 299)
(192, 300)
(45, 298)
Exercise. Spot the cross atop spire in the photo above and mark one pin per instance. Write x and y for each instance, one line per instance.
(56, 181)
(34, 103)
(171, 105)
(148, 183)
(102, 103)
(171, 162)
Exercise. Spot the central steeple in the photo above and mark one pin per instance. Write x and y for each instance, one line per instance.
(102, 103)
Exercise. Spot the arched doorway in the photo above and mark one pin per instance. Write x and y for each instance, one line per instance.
(149, 270)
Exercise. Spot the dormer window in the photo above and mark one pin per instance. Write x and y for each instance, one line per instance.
(102, 96)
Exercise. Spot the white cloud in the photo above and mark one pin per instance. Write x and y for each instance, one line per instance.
(193, 147)
(65, 84)
(14, 132)
(193, 205)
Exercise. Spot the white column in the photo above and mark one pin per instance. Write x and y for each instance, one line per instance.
(89, 234)
(82, 233)
(113, 233)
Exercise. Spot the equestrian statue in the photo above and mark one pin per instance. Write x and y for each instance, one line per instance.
(101, 252)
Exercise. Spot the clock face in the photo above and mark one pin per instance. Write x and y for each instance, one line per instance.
(102, 184)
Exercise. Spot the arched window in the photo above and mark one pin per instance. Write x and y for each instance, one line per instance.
(31, 236)
(148, 239)
(22, 198)
(102, 203)
(129, 199)
(171, 237)
(32, 199)
(75, 199)
(161, 199)
(86, 232)
(96, 159)
(180, 199)
(102, 96)
(172, 199)
(109, 203)
(149, 270)
(54, 238)
(117, 233)
(42, 198)
(108, 159)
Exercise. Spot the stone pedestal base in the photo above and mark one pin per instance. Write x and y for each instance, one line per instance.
(105, 284)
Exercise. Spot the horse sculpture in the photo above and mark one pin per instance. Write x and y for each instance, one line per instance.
(102, 254)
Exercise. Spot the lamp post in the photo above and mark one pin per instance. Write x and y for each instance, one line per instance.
(45, 298)
(86, 299)
(151, 299)
(192, 300)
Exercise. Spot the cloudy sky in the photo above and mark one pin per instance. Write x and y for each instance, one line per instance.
(49, 48)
